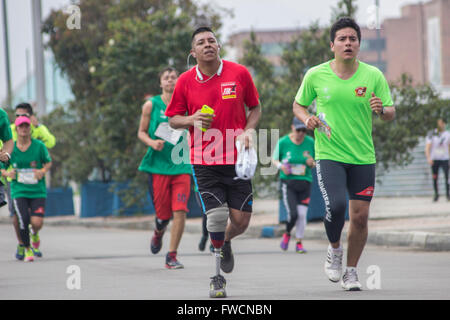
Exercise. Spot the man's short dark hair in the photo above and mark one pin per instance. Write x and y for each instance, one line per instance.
(167, 69)
(342, 23)
(26, 106)
(200, 30)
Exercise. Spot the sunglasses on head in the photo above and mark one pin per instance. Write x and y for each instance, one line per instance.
(22, 115)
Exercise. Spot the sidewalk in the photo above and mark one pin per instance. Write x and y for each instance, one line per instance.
(415, 222)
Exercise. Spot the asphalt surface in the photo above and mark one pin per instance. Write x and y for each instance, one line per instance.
(110, 263)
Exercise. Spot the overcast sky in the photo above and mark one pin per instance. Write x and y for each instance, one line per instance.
(256, 14)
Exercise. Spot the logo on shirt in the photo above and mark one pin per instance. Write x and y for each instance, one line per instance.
(33, 164)
(361, 91)
(228, 90)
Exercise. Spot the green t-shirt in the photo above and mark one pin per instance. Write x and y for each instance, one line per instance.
(296, 155)
(345, 105)
(160, 162)
(24, 162)
(5, 129)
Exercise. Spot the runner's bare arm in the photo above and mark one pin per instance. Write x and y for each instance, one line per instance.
(301, 112)
(143, 128)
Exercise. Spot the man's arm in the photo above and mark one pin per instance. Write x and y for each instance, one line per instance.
(42, 133)
(388, 113)
(301, 112)
(428, 153)
(253, 117)
(158, 144)
(198, 119)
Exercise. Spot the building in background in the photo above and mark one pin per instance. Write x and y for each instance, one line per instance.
(417, 43)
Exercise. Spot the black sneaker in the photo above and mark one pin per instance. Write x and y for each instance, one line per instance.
(227, 258)
(156, 243)
(173, 263)
(217, 287)
(436, 198)
(202, 243)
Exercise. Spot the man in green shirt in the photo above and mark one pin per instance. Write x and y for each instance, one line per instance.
(169, 183)
(347, 93)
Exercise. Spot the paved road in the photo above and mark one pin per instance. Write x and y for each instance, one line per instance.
(116, 264)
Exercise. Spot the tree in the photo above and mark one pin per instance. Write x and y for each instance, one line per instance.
(112, 63)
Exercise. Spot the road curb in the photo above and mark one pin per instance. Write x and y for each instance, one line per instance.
(428, 241)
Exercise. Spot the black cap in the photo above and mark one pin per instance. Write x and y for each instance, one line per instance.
(298, 124)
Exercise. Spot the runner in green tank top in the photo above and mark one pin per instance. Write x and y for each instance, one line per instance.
(347, 93)
(168, 169)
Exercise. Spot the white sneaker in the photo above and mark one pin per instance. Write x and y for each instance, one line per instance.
(333, 264)
(350, 281)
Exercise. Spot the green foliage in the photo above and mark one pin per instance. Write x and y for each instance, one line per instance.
(417, 109)
(112, 64)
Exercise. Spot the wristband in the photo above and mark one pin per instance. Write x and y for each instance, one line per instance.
(8, 155)
(382, 110)
(279, 164)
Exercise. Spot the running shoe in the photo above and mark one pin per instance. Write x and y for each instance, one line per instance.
(227, 258)
(350, 281)
(217, 287)
(37, 252)
(202, 243)
(299, 248)
(333, 264)
(35, 240)
(436, 198)
(285, 241)
(156, 243)
(29, 256)
(20, 253)
(172, 262)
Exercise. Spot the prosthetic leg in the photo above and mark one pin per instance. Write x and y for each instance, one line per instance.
(217, 220)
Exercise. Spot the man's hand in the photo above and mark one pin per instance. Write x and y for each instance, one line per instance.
(375, 104)
(4, 156)
(10, 173)
(245, 139)
(310, 162)
(312, 122)
(157, 145)
(201, 120)
(39, 173)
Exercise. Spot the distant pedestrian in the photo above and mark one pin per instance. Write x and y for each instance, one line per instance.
(294, 156)
(437, 151)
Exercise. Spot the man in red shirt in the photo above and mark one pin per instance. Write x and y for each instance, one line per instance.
(228, 89)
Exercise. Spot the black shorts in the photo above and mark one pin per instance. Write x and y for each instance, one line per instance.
(336, 177)
(217, 185)
(32, 206)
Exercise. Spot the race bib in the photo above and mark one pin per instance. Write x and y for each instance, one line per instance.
(298, 170)
(26, 176)
(165, 132)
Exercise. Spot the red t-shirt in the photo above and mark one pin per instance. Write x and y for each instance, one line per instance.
(228, 94)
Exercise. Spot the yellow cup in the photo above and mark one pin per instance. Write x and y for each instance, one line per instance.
(208, 110)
